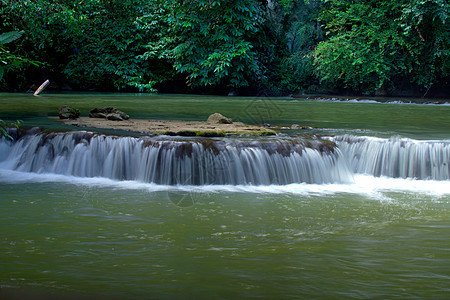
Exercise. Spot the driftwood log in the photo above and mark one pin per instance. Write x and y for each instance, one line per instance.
(42, 87)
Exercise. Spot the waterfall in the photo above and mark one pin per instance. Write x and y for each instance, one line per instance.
(397, 157)
(226, 162)
(172, 162)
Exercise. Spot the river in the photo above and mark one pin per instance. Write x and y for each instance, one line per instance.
(94, 216)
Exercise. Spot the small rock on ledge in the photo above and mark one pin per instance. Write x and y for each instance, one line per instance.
(109, 113)
(217, 118)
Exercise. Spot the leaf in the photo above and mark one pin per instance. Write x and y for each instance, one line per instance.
(10, 36)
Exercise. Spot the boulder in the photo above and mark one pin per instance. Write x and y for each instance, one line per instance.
(109, 113)
(66, 112)
(217, 118)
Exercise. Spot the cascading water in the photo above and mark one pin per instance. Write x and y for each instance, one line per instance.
(177, 162)
(226, 162)
(397, 157)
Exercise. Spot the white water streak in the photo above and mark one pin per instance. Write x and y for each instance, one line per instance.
(369, 186)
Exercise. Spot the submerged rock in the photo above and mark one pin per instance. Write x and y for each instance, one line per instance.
(66, 112)
(217, 118)
(109, 113)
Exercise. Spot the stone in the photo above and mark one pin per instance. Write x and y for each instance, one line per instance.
(296, 127)
(109, 113)
(97, 115)
(114, 117)
(217, 118)
(66, 112)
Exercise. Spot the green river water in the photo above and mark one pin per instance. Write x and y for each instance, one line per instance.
(89, 238)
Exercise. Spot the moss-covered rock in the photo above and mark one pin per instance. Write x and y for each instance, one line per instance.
(67, 112)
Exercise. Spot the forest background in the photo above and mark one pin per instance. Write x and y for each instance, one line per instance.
(358, 47)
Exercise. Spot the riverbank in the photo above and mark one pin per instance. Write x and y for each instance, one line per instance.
(172, 127)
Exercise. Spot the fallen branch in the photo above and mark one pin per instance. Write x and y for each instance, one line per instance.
(41, 88)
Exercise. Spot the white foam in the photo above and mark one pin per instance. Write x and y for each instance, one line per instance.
(366, 185)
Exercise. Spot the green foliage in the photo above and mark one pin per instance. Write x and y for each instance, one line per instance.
(46, 26)
(88, 44)
(276, 46)
(210, 42)
(299, 32)
(9, 37)
(106, 52)
(378, 44)
(426, 26)
(4, 125)
(8, 60)
(363, 44)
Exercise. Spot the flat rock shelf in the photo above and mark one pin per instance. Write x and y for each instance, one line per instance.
(171, 127)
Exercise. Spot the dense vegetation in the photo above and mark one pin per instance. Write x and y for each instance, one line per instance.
(277, 47)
